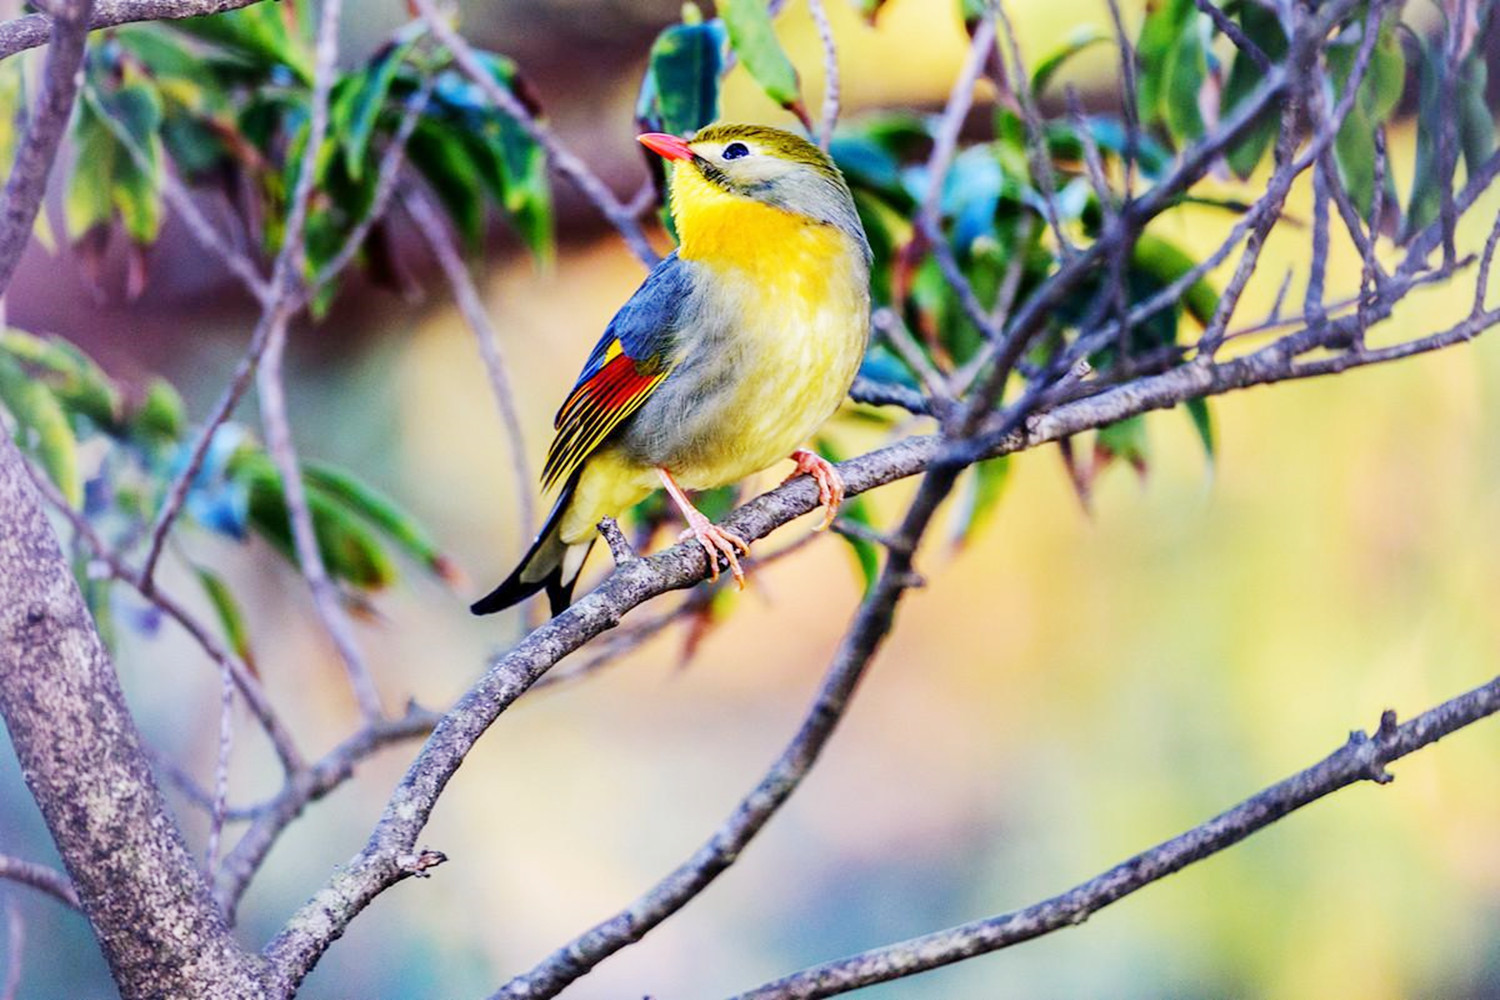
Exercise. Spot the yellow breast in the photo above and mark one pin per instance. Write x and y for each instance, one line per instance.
(799, 290)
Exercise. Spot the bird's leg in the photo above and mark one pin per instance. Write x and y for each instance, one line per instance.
(714, 539)
(830, 483)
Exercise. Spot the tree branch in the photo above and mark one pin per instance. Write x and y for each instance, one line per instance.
(1362, 758)
(48, 880)
(49, 119)
(434, 231)
(85, 766)
(30, 31)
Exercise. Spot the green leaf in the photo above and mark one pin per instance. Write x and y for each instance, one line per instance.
(87, 203)
(227, 610)
(1124, 439)
(748, 23)
(1167, 262)
(79, 384)
(256, 34)
(1203, 423)
(986, 483)
(1158, 50)
(1261, 25)
(1426, 195)
(368, 98)
(349, 548)
(1081, 39)
(680, 91)
(12, 97)
(42, 427)
(448, 165)
(161, 415)
(381, 511)
(1186, 71)
(1379, 93)
(1476, 123)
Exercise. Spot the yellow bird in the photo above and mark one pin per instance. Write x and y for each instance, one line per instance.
(732, 353)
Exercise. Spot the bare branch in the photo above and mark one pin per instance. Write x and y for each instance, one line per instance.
(1234, 34)
(286, 287)
(830, 72)
(30, 31)
(306, 786)
(283, 453)
(49, 880)
(1036, 145)
(239, 382)
(472, 308)
(27, 182)
(1362, 758)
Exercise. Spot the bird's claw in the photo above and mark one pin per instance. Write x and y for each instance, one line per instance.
(830, 483)
(717, 542)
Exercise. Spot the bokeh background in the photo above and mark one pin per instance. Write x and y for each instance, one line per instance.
(1068, 689)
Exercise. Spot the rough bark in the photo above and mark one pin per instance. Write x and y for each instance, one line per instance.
(84, 764)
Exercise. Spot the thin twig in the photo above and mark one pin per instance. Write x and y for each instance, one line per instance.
(472, 308)
(49, 880)
(32, 30)
(830, 72)
(1037, 148)
(182, 484)
(1128, 98)
(891, 327)
(1234, 34)
(385, 188)
(303, 788)
(286, 286)
(283, 452)
(221, 769)
(27, 182)
(940, 161)
(237, 262)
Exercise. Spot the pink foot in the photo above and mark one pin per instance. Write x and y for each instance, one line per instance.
(715, 540)
(830, 483)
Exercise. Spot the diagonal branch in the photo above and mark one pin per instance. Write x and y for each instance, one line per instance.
(49, 119)
(471, 306)
(1362, 758)
(41, 878)
(28, 32)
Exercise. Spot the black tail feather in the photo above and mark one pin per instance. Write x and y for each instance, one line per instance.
(514, 590)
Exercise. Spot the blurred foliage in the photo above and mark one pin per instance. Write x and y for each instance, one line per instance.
(62, 403)
(224, 102)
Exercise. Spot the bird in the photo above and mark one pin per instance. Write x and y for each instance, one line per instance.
(736, 348)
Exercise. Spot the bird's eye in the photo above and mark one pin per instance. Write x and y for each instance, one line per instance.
(735, 150)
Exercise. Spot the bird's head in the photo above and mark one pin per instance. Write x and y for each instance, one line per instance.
(725, 164)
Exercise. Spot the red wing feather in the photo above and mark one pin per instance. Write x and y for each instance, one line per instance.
(595, 407)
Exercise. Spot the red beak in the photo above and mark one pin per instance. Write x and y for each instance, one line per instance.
(666, 146)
